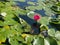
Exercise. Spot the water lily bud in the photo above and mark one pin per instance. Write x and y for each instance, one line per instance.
(37, 17)
(3, 14)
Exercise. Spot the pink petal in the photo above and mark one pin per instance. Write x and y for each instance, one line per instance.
(37, 17)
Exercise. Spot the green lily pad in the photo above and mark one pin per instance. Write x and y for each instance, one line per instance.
(1, 23)
(13, 41)
(57, 35)
(44, 20)
(38, 41)
(22, 0)
(51, 40)
(46, 42)
(51, 32)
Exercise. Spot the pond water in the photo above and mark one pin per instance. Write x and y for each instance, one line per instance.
(25, 4)
(28, 20)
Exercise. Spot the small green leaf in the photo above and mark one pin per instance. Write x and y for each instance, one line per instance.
(57, 35)
(44, 20)
(51, 40)
(22, 0)
(31, 3)
(1, 23)
(51, 32)
(13, 41)
(46, 42)
(29, 39)
(38, 41)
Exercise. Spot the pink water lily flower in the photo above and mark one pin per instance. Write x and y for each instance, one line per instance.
(37, 17)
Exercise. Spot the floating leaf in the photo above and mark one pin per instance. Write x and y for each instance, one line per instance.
(38, 41)
(31, 3)
(57, 35)
(51, 40)
(51, 32)
(46, 42)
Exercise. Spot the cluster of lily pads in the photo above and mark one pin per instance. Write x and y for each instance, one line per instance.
(12, 26)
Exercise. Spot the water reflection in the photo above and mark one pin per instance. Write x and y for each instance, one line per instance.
(27, 19)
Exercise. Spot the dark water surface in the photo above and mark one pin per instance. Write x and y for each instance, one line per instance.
(26, 18)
